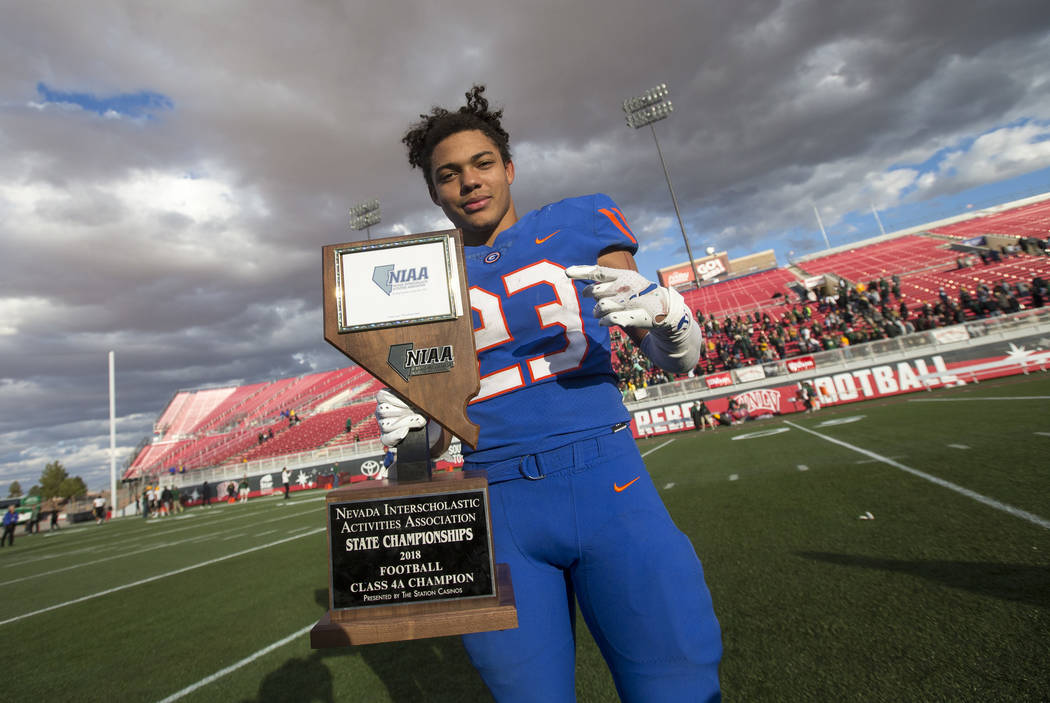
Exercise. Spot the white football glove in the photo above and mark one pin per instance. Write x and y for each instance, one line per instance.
(624, 297)
(628, 299)
(396, 418)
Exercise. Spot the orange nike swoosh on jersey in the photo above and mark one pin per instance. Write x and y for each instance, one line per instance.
(620, 489)
(541, 241)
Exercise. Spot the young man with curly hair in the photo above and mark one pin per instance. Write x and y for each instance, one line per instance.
(574, 511)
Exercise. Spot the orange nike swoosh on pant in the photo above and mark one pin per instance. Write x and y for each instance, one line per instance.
(622, 488)
(541, 241)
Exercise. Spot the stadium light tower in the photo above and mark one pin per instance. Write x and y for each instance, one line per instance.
(645, 109)
(363, 216)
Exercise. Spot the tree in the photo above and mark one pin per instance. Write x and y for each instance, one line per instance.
(35, 490)
(15, 490)
(51, 479)
(71, 487)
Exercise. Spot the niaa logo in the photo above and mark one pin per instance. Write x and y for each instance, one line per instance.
(388, 277)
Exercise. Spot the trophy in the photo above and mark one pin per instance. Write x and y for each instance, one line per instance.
(410, 557)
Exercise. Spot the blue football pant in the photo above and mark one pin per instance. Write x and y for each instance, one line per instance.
(638, 581)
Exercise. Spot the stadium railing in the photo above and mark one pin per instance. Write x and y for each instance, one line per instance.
(1004, 327)
(299, 460)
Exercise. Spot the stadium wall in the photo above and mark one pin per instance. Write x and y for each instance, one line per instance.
(949, 356)
(303, 478)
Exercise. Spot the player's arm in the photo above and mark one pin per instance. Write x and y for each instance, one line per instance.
(656, 318)
(396, 418)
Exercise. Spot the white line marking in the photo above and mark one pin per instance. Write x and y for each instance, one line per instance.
(233, 667)
(657, 447)
(873, 461)
(1042, 434)
(144, 549)
(158, 577)
(96, 561)
(669, 486)
(958, 446)
(803, 467)
(734, 477)
(148, 528)
(953, 400)
(841, 421)
(760, 433)
(990, 502)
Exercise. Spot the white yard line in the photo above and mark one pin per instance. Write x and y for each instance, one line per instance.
(233, 667)
(158, 577)
(96, 561)
(147, 549)
(990, 502)
(661, 446)
(148, 529)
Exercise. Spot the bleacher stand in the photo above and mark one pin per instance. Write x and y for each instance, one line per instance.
(217, 426)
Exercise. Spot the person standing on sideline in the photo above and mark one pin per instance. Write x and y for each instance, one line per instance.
(99, 508)
(205, 496)
(574, 511)
(694, 412)
(286, 480)
(10, 520)
(243, 489)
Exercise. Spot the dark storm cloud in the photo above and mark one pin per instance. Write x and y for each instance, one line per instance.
(189, 242)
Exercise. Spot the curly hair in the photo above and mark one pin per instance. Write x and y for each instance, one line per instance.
(426, 134)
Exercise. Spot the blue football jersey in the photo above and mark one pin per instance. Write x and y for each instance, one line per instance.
(545, 362)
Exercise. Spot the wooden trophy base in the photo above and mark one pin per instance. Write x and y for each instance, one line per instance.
(418, 621)
(355, 625)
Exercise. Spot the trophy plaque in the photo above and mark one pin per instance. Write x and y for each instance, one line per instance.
(410, 556)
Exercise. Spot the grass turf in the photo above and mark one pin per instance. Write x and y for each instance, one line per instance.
(939, 597)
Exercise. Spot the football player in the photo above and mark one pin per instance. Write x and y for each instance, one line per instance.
(574, 511)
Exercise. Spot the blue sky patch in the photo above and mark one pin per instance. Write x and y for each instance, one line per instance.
(143, 104)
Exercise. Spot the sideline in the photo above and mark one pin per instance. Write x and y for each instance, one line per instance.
(990, 502)
(657, 447)
(146, 532)
(159, 576)
(955, 400)
(147, 548)
(237, 665)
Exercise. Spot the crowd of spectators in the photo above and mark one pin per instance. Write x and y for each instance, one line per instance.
(854, 314)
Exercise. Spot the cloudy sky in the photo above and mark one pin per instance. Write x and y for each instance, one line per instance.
(171, 170)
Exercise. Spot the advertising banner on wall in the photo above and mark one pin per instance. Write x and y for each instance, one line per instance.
(748, 374)
(708, 268)
(719, 380)
(800, 363)
(321, 476)
(952, 368)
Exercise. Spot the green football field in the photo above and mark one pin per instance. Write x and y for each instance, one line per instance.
(894, 550)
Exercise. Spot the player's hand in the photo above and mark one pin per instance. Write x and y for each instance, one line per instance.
(624, 297)
(395, 418)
